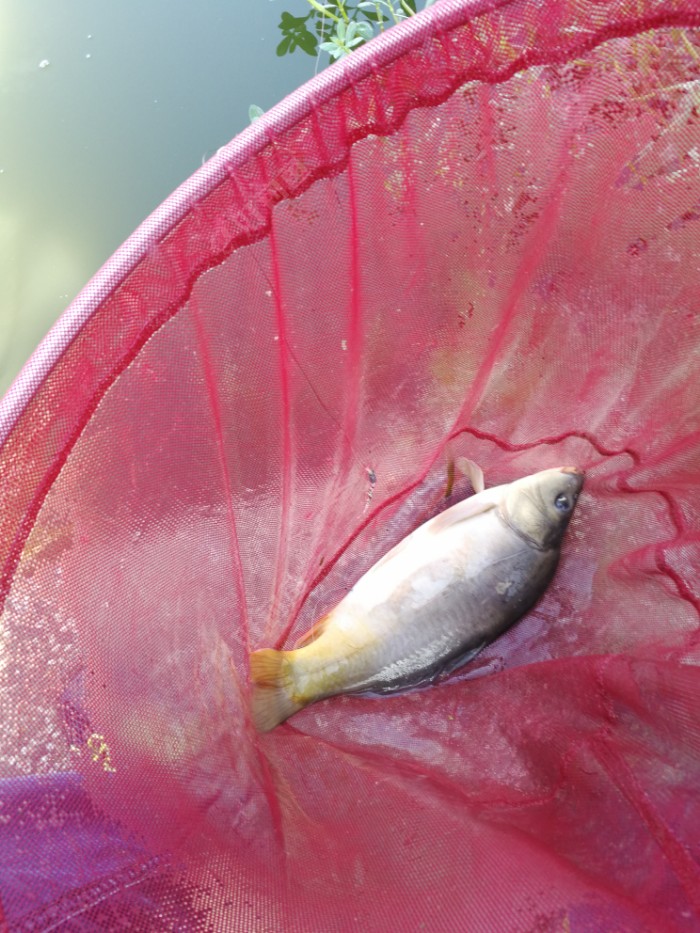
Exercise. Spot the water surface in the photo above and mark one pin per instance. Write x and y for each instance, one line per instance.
(105, 108)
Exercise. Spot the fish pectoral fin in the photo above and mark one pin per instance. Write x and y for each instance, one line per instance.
(273, 700)
(314, 632)
(454, 663)
(473, 472)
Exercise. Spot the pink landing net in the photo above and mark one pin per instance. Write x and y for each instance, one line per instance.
(477, 236)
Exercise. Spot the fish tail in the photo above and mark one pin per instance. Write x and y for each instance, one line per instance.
(273, 700)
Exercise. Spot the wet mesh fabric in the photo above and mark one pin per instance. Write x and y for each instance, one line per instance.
(476, 237)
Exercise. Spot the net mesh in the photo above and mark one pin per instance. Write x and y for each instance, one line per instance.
(477, 236)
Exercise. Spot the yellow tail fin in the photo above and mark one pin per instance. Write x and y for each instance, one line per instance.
(267, 667)
(272, 700)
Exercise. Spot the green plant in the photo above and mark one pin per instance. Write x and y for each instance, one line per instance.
(339, 26)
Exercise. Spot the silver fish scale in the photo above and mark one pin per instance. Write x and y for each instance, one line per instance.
(500, 578)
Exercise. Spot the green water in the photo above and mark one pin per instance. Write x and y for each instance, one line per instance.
(134, 97)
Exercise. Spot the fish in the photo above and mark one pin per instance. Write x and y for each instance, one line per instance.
(432, 603)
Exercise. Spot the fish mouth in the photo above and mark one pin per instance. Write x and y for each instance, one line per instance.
(576, 480)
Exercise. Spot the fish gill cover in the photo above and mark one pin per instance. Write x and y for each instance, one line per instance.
(477, 236)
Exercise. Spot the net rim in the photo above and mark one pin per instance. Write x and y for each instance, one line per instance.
(319, 89)
(430, 23)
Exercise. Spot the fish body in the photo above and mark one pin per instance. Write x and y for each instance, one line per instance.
(432, 603)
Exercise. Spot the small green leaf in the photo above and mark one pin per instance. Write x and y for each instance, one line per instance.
(365, 31)
(374, 15)
(308, 42)
(284, 45)
(296, 34)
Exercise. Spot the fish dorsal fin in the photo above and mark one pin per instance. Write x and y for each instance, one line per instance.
(314, 632)
(390, 555)
(474, 505)
(473, 472)
(468, 508)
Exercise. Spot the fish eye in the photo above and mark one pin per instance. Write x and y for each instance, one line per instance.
(562, 503)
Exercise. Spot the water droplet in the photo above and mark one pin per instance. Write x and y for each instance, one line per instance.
(88, 55)
(89, 35)
(44, 63)
(343, 344)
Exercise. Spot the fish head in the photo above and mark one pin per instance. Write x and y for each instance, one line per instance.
(538, 507)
